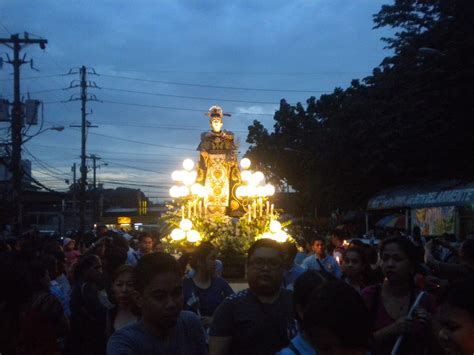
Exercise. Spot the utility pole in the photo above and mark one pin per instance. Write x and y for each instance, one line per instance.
(83, 84)
(74, 192)
(17, 44)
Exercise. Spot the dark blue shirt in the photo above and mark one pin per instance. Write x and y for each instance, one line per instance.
(186, 338)
(205, 300)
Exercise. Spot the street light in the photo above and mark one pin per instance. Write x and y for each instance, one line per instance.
(52, 128)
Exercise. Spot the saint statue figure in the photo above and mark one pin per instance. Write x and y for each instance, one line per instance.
(218, 168)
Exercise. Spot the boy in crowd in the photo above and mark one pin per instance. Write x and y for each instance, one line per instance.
(164, 328)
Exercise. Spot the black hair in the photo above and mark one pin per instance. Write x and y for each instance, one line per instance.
(144, 235)
(405, 244)
(317, 238)
(303, 287)
(201, 253)
(265, 243)
(115, 254)
(338, 307)
(83, 266)
(359, 251)
(151, 265)
(460, 295)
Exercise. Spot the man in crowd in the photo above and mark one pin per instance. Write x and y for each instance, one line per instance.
(164, 328)
(320, 261)
(145, 246)
(258, 320)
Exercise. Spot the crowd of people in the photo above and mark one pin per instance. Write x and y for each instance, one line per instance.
(323, 295)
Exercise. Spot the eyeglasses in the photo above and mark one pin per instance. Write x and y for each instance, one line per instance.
(260, 263)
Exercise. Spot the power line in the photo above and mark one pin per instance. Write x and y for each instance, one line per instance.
(188, 97)
(139, 142)
(135, 167)
(104, 151)
(38, 77)
(209, 86)
(181, 108)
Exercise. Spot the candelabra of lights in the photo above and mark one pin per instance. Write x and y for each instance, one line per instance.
(253, 194)
(193, 195)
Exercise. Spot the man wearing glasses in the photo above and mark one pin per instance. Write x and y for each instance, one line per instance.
(258, 320)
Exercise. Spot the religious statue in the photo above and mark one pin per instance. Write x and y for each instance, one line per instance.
(218, 168)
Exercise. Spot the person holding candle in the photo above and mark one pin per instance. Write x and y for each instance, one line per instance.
(390, 302)
(320, 261)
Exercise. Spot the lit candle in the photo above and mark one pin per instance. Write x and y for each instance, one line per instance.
(260, 207)
(200, 208)
(182, 212)
(194, 209)
(267, 209)
(249, 212)
(189, 210)
(254, 208)
(271, 210)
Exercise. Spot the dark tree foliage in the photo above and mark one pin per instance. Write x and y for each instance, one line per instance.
(410, 121)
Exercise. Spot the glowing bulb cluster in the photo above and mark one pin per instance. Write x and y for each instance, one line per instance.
(253, 183)
(276, 232)
(188, 178)
(185, 231)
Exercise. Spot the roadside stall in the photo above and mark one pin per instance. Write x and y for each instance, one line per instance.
(437, 208)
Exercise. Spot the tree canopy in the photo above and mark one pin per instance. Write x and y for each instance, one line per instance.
(410, 121)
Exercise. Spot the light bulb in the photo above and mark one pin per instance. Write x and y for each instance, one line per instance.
(188, 164)
(183, 191)
(245, 163)
(190, 178)
(186, 224)
(177, 234)
(280, 236)
(257, 177)
(275, 226)
(269, 190)
(175, 191)
(193, 236)
(241, 191)
(246, 175)
(177, 175)
(197, 189)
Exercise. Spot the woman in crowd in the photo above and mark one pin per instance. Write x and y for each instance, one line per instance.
(390, 302)
(88, 307)
(456, 334)
(204, 292)
(355, 268)
(124, 312)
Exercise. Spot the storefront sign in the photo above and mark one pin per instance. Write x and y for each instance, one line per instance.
(460, 197)
(124, 220)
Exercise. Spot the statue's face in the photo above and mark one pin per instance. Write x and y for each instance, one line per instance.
(216, 125)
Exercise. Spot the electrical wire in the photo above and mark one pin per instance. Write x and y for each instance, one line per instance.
(208, 86)
(188, 97)
(138, 142)
(181, 108)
